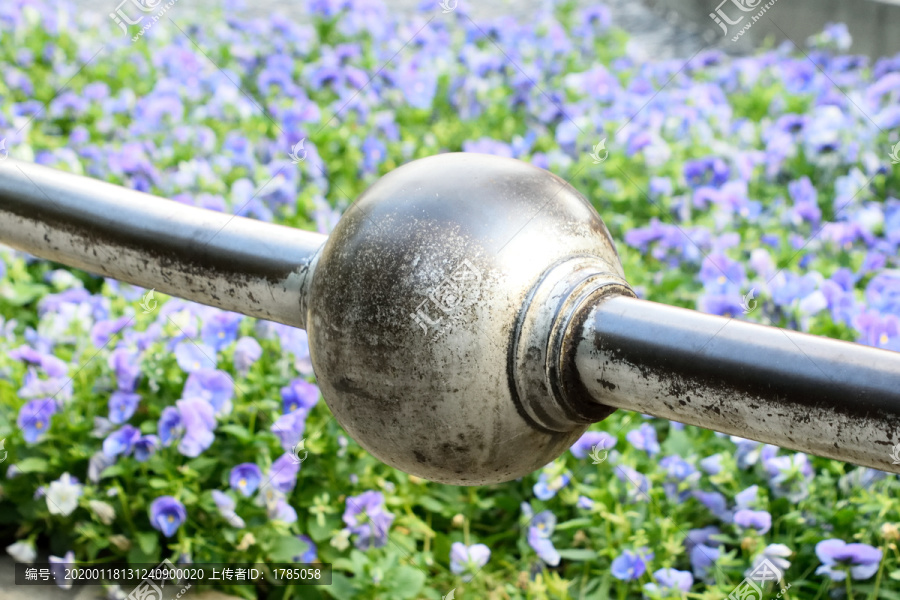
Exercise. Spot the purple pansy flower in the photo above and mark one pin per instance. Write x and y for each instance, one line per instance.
(167, 514)
(283, 473)
(193, 357)
(60, 566)
(585, 503)
(34, 418)
(199, 421)
(145, 446)
(121, 441)
(679, 473)
(103, 331)
(540, 529)
(594, 443)
(226, 506)
(214, 386)
(246, 352)
(468, 559)
(245, 478)
(712, 464)
(122, 406)
(644, 438)
(759, 520)
(703, 558)
(670, 583)
(220, 330)
(548, 485)
(289, 428)
(299, 394)
(169, 426)
(310, 554)
(631, 564)
(715, 502)
(126, 366)
(98, 462)
(837, 556)
(368, 519)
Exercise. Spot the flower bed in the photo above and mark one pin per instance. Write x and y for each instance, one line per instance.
(140, 428)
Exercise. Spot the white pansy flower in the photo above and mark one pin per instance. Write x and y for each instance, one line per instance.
(22, 552)
(62, 495)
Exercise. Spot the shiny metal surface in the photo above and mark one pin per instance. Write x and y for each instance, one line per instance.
(230, 262)
(468, 317)
(432, 312)
(810, 393)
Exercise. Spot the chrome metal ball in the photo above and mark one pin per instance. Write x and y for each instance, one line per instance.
(437, 314)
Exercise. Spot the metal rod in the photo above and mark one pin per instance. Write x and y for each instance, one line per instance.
(809, 393)
(233, 263)
(535, 343)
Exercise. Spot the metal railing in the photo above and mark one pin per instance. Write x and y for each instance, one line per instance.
(469, 318)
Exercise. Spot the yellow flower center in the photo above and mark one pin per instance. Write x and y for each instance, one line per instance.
(196, 364)
(39, 425)
(883, 339)
(293, 407)
(171, 518)
(242, 483)
(721, 279)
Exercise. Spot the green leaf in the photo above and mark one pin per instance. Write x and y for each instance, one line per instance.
(895, 574)
(578, 554)
(341, 587)
(678, 442)
(204, 464)
(342, 564)
(404, 582)
(137, 555)
(286, 548)
(574, 523)
(317, 532)
(148, 541)
(238, 431)
(32, 464)
(21, 294)
(430, 504)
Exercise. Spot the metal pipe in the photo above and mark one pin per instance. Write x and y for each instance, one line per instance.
(809, 393)
(230, 262)
(471, 319)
